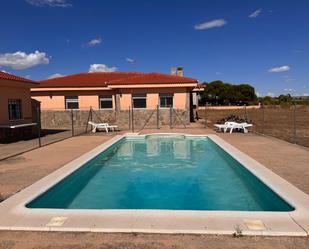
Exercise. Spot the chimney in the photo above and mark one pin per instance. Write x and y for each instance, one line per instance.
(178, 71)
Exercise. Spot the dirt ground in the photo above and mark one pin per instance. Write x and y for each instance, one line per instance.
(20, 171)
(287, 160)
(52, 240)
(288, 123)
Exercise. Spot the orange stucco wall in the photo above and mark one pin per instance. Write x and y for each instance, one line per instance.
(55, 100)
(85, 101)
(180, 97)
(152, 100)
(125, 101)
(180, 100)
(8, 92)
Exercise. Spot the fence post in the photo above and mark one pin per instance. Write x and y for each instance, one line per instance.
(91, 113)
(72, 122)
(38, 113)
(205, 117)
(263, 117)
(129, 117)
(246, 114)
(171, 117)
(158, 117)
(294, 123)
(88, 119)
(132, 113)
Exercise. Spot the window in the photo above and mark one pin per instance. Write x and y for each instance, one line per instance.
(139, 100)
(71, 102)
(14, 109)
(106, 102)
(166, 100)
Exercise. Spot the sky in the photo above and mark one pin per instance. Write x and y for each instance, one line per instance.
(264, 43)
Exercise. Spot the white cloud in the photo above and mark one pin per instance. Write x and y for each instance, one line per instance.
(101, 68)
(306, 94)
(212, 24)
(255, 13)
(130, 60)
(289, 90)
(20, 60)
(28, 76)
(50, 3)
(94, 42)
(279, 69)
(55, 75)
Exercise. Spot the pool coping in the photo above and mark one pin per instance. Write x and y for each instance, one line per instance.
(15, 216)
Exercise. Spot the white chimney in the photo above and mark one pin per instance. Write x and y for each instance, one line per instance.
(178, 71)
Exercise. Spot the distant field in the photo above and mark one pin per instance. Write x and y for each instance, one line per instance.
(287, 123)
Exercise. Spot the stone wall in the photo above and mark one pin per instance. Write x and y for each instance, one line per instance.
(123, 119)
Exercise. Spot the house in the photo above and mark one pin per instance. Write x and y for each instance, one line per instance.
(16, 112)
(116, 92)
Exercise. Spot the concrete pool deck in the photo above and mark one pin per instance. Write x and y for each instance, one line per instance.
(296, 223)
(287, 160)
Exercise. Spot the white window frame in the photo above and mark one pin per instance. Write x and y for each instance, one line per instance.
(71, 99)
(19, 113)
(166, 95)
(139, 96)
(106, 98)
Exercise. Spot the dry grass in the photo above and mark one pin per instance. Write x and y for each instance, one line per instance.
(286, 123)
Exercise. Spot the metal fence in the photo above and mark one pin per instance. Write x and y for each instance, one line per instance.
(289, 122)
(57, 125)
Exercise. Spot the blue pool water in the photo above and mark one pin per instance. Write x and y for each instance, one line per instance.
(162, 172)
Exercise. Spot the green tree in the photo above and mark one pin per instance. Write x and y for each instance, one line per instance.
(220, 93)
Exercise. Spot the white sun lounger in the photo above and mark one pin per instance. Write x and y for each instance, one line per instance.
(102, 126)
(221, 127)
(233, 125)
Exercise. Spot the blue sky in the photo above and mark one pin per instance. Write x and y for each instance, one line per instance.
(261, 42)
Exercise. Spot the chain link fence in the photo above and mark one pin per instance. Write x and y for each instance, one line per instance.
(56, 125)
(289, 122)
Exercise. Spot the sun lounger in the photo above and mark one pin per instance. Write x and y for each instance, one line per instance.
(232, 126)
(102, 126)
(221, 127)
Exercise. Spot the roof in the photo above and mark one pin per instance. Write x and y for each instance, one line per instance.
(7, 76)
(103, 79)
(153, 78)
(86, 79)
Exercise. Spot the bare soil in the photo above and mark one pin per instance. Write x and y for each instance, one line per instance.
(53, 240)
(288, 123)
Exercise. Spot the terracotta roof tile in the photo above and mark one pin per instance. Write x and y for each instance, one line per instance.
(7, 76)
(102, 79)
(153, 78)
(97, 79)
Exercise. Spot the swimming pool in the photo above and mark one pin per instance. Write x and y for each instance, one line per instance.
(161, 183)
(171, 172)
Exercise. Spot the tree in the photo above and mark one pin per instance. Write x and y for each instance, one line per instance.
(285, 98)
(220, 93)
